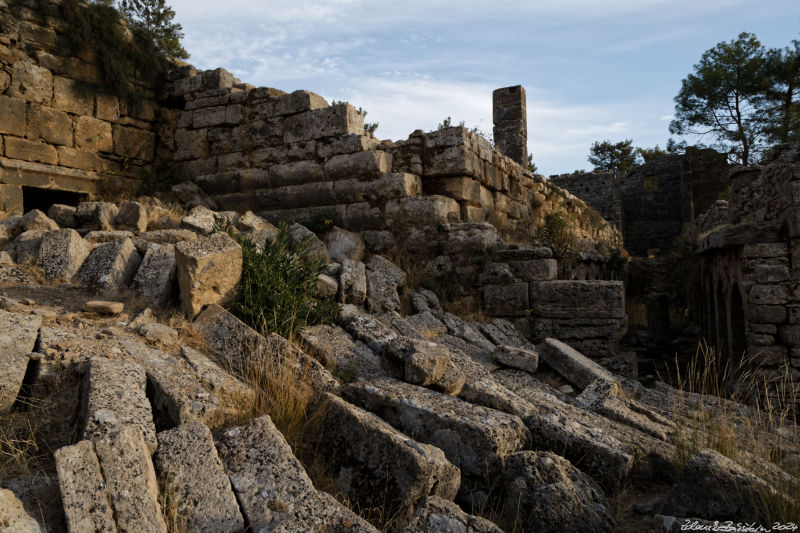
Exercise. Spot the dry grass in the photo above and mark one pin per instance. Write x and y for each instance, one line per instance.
(168, 500)
(749, 419)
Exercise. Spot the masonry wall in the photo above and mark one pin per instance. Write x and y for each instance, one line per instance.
(599, 189)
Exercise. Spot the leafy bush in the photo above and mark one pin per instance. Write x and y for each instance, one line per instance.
(278, 291)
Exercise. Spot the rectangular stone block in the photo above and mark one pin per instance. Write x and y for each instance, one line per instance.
(208, 270)
(18, 335)
(107, 108)
(134, 143)
(535, 269)
(30, 82)
(296, 173)
(345, 144)
(385, 187)
(308, 195)
(67, 97)
(84, 496)
(31, 151)
(571, 299)
(13, 116)
(191, 144)
(573, 365)
(208, 117)
(363, 165)
(74, 158)
(10, 198)
(298, 102)
(452, 161)
(93, 135)
(422, 211)
(506, 300)
(461, 188)
(341, 119)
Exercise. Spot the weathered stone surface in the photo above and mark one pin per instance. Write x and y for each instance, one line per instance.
(572, 365)
(40, 500)
(49, 125)
(26, 246)
(30, 151)
(546, 493)
(130, 481)
(93, 135)
(36, 220)
(240, 346)
(516, 358)
(427, 325)
(474, 438)
(102, 237)
(96, 215)
(424, 363)
(192, 195)
(341, 119)
(343, 244)
(315, 248)
(363, 165)
(503, 332)
(381, 265)
(87, 504)
(131, 216)
(187, 462)
(421, 211)
(103, 307)
(200, 219)
(377, 465)
(208, 270)
(568, 299)
(535, 269)
(168, 236)
(506, 300)
(220, 382)
(327, 287)
(333, 346)
(63, 215)
(18, 335)
(61, 254)
(381, 293)
(31, 82)
(12, 115)
(353, 282)
(110, 267)
(273, 490)
(115, 397)
(460, 329)
(155, 278)
(366, 328)
(159, 334)
(436, 515)
(712, 486)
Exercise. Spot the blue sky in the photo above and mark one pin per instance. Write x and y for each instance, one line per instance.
(592, 69)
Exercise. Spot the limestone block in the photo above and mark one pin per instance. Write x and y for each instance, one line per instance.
(426, 325)
(315, 248)
(343, 244)
(364, 454)
(103, 307)
(61, 254)
(31, 151)
(506, 300)
(222, 383)
(191, 144)
(155, 278)
(27, 245)
(422, 210)
(361, 165)
(131, 216)
(72, 158)
(573, 365)
(462, 188)
(547, 493)
(273, 489)
(297, 173)
(452, 161)
(341, 119)
(107, 108)
(424, 363)
(87, 504)
(96, 215)
(102, 237)
(377, 190)
(474, 438)
(218, 79)
(333, 346)
(110, 267)
(93, 135)
(36, 220)
(67, 97)
(535, 269)
(353, 282)
(382, 293)
(114, 398)
(209, 116)
(768, 295)
(134, 142)
(49, 125)
(378, 263)
(10, 201)
(570, 299)
(208, 270)
(298, 102)
(366, 328)
(188, 462)
(18, 335)
(131, 481)
(516, 358)
(31, 83)
(363, 216)
(345, 144)
(200, 220)
(437, 515)
(295, 196)
(327, 287)
(13, 112)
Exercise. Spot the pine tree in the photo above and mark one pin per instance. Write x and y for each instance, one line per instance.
(155, 18)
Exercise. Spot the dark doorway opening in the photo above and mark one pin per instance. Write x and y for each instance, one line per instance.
(738, 338)
(42, 199)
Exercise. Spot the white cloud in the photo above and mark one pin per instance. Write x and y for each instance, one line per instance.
(667, 117)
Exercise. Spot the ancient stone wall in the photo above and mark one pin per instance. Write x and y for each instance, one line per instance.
(55, 134)
(600, 190)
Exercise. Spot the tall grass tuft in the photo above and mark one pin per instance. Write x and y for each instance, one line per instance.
(749, 416)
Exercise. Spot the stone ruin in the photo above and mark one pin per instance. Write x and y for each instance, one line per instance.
(449, 423)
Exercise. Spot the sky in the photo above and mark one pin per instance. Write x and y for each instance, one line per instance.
(592, 69)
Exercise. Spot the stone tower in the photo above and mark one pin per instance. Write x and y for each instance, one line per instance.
(511, 123)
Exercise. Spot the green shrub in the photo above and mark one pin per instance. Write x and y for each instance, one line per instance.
(278, 291)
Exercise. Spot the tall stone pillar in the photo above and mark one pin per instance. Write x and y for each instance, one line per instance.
(511, 123)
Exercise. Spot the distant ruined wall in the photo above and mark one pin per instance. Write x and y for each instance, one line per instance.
(599, 189)
(53, 134)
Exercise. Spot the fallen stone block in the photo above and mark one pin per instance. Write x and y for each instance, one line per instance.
(18, 334)
(31, 504)
(200, 220)
(488, 392)
(114, 398)
(452, 381)
(159, 334)
(61, 254)
(315, 248)
(333, 346)
(26, 246)
(546, 493)
(188, 464)
(427, 325)
(516, 358)
(365, 454)
(460, 329)
(63, 215)
(474, 438)
(36, 220)
(168, 236)
(353, 282)
(130, 481)
(155, 279)
(131, 216)
(273, 490)
(502, 332)
(103, 307)
(177, 396)
(102, 237)
(96, 215)
(424, 363)
(381, 293)
(570, 299)
(87, 504)
(366, 328)
(573, 365)
(227, 388)
(109, 268)
(381, 265)
(343, 244)
(437, 515)
(208, 270)
(327, 287)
